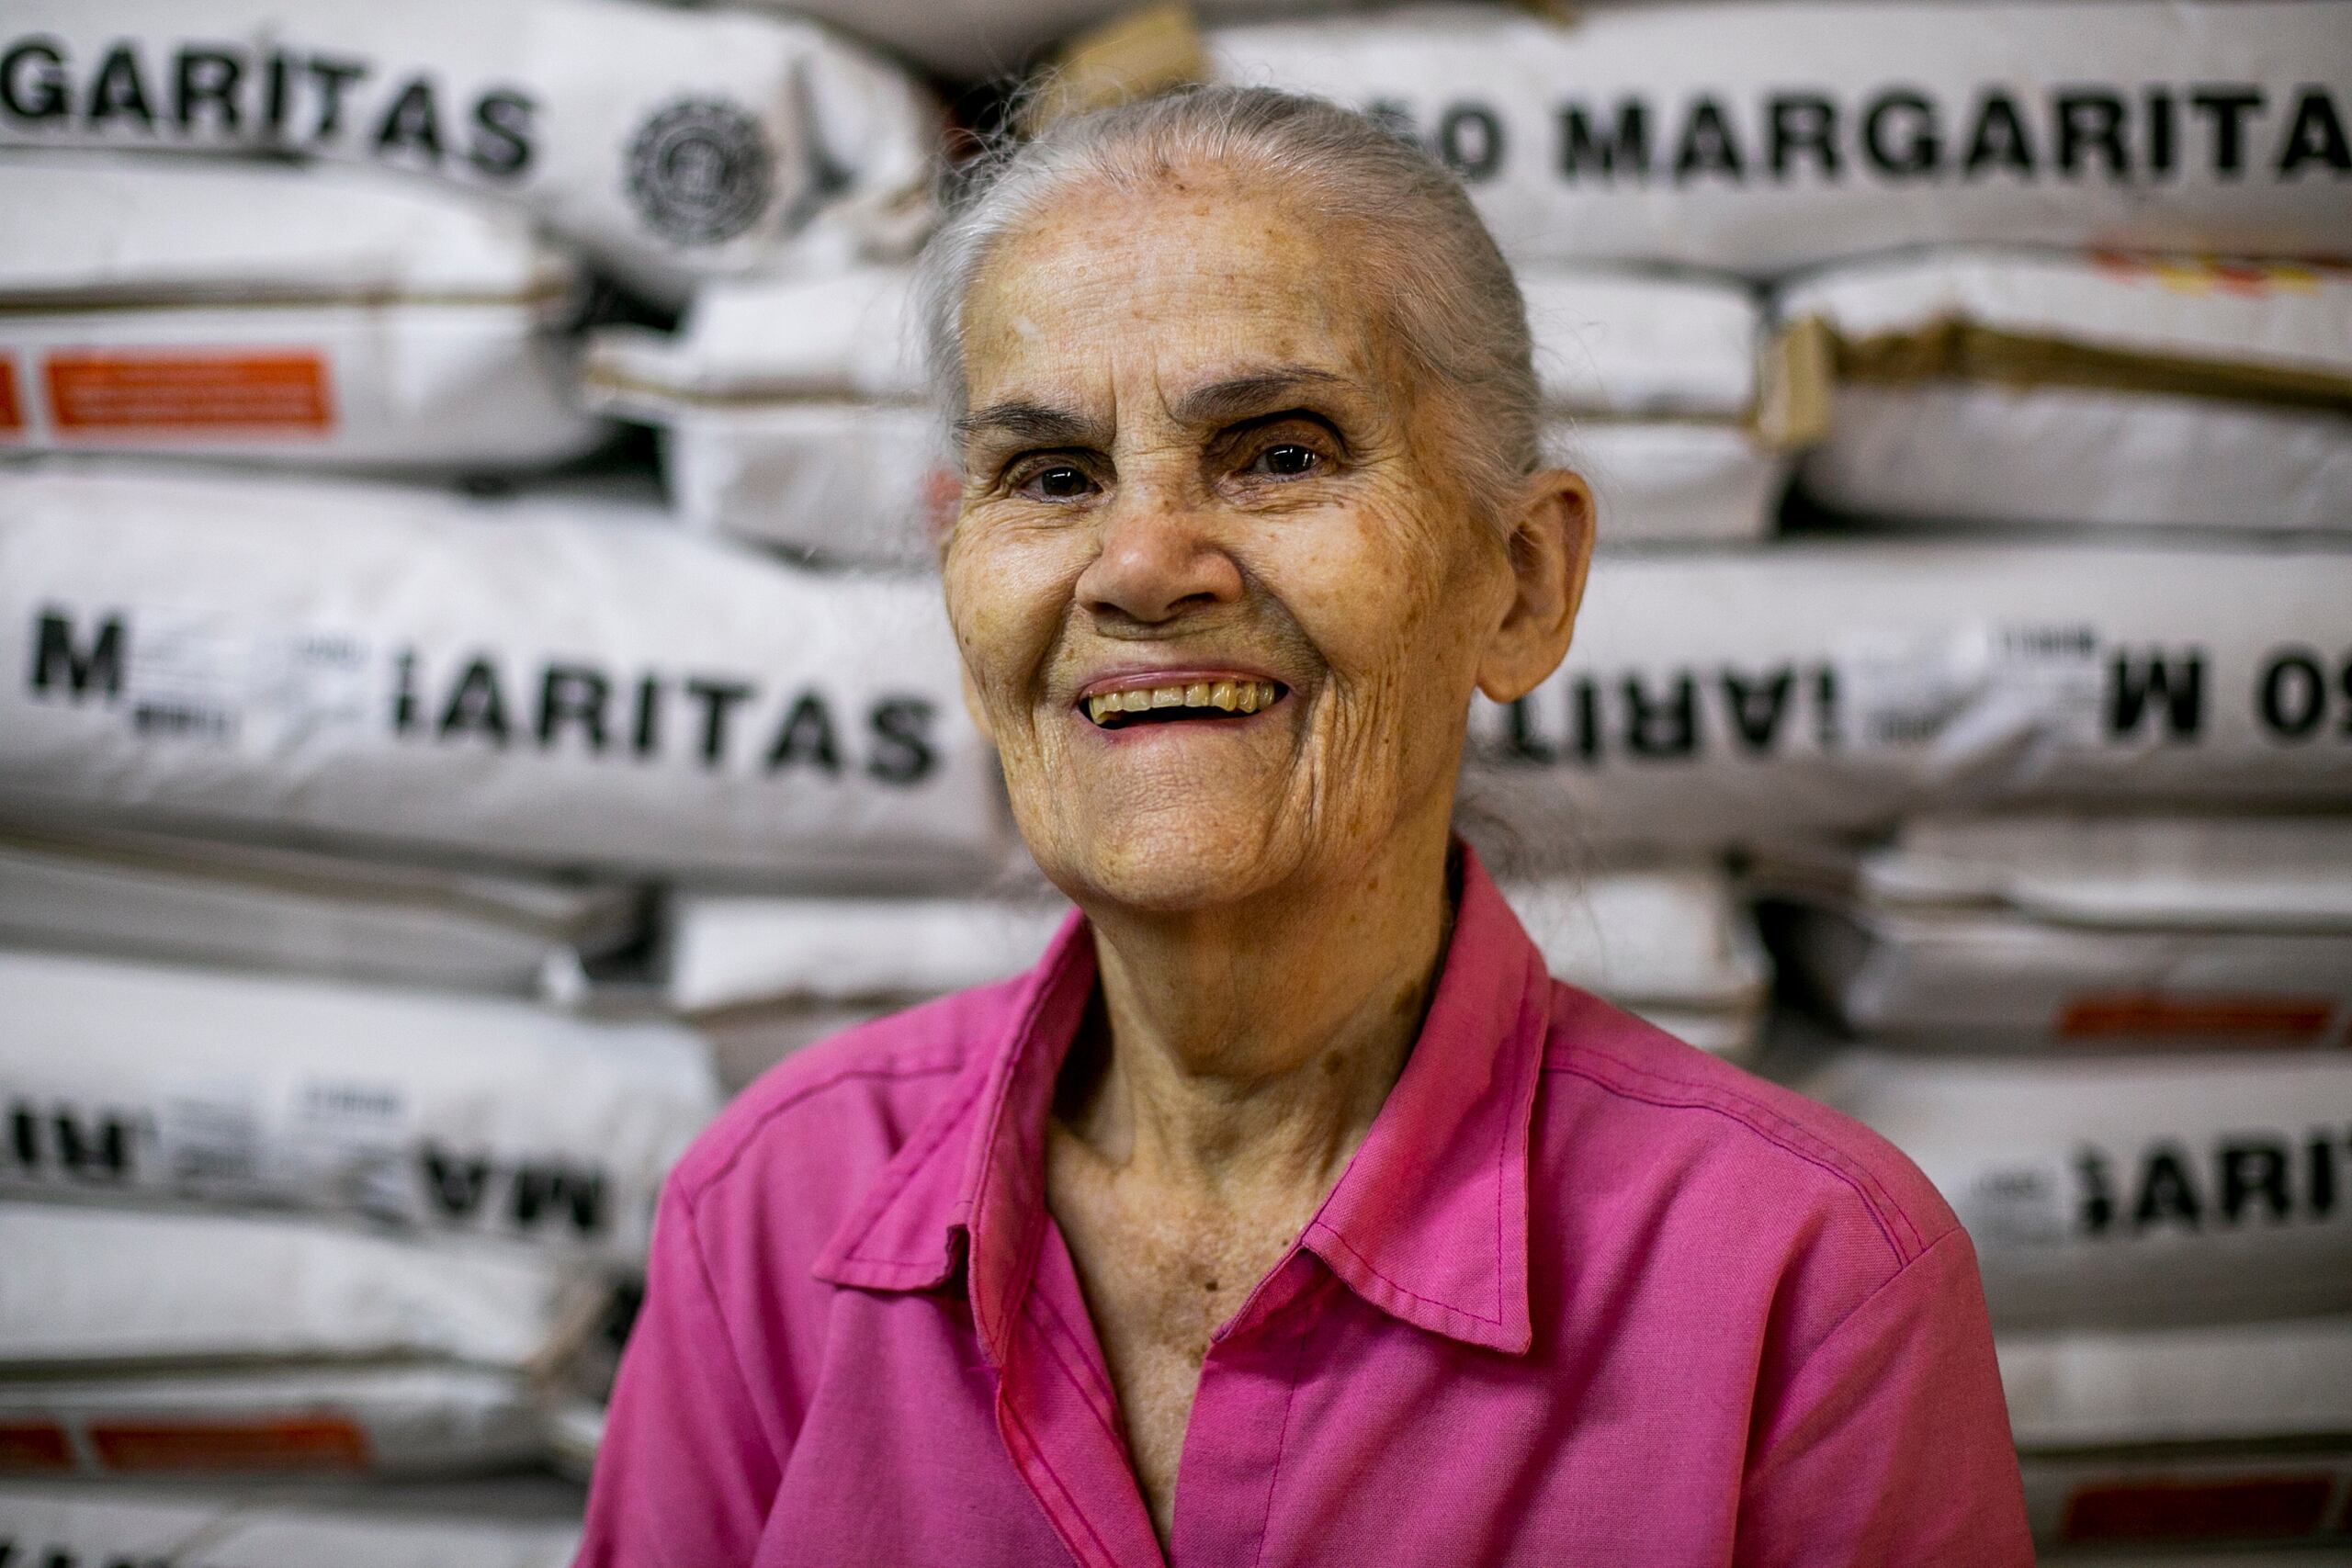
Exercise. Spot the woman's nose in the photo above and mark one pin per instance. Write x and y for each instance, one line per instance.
(1159, 559)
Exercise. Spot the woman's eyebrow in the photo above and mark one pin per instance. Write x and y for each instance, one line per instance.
(1033, 424)
(1239, 397)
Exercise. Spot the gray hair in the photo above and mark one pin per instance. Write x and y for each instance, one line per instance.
(1450, 295)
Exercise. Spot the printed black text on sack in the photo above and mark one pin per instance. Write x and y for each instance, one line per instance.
(709, 720)
(2299, 695)
(303, 101)
(2222, 130)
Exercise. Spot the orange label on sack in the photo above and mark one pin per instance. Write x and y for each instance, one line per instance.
(321, 1442)
(2255, 1508)
(34, 1445)
(12, 412)
(2256, 1020)
(224, 391)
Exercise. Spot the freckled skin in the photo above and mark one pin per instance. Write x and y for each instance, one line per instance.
(1268, 897)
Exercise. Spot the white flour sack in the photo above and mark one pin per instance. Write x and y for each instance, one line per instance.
(250, 1415)
(2206, 1433)
(1673, 943)
(2130, 1190)
(132, 1342)
(2015, 386)
(426, 1112)
(49, 1525)
(1734, 697)
(980, 40)
(256, 906)
(1652, 385)
(790, 413)
(669, 144)
(1762, 138)
(325, 318)
(791, 410)
(542, 681)
(2088, 931)
(731, 951)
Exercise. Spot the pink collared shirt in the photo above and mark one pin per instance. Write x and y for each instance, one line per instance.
(1584, 1296)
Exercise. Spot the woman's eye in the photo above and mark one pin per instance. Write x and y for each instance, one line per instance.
(1289, 460)
(1062, 482)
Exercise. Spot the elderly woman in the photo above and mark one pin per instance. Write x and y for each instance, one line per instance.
(1286, 1212)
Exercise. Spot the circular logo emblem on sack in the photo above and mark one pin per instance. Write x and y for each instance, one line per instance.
(700, 171)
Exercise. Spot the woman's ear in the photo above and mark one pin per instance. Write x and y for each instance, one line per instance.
(1551, 548)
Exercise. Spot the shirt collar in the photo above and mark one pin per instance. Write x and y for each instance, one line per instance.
(1428, 1222)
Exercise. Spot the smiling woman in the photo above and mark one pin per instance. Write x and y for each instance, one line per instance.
(1287, 1212)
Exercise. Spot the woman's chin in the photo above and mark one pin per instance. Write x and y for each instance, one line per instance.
(1168, 861)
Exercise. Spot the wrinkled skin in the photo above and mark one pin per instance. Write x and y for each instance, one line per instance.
(1193, 443)
(1364, 585)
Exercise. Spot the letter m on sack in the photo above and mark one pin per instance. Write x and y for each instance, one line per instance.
(2169, 692)
(78, 666)
(1592, 144)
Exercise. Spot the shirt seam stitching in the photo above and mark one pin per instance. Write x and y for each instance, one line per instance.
(1876, 1201)
(1037, 1303)
(1018, 1038)
(908, 1166)
(718, 1309)
(1821, 1345)
(726, 1167)
(1534, 983)
(1502, 1149)
(1374, 1269)
(1282, 1434)
(1070, 1499)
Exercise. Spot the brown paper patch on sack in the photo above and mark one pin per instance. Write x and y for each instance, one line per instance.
(1955, 350)
(1798, 368)
(1132, 56)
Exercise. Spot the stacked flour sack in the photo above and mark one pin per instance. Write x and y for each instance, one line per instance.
(330, 789)
(2113, 1033)
(2037, 714)
(2116, 1042)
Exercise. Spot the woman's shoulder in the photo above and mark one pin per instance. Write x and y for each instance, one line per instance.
(827, 1118)
(1729, 1148)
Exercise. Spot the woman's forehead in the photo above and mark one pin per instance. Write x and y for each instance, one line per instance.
(1185, 285)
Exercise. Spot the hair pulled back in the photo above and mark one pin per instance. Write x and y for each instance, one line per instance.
(1448, 294)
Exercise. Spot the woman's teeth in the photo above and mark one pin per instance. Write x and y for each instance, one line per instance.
(1224, 697)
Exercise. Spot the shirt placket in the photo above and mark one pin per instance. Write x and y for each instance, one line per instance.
(1059, 1420)
(1241, 1429)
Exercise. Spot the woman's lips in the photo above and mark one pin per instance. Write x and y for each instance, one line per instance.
(1175, 694)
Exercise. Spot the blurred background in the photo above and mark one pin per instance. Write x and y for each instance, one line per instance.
(472, 694)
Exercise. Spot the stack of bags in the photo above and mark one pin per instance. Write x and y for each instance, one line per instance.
(330, 789)
(63, 1527)
(2116, 1042)
(2037, 720)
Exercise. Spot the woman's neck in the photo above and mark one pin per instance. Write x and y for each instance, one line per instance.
(1247, 1049)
